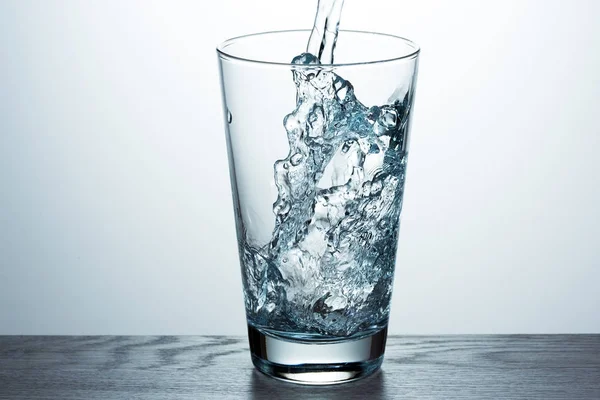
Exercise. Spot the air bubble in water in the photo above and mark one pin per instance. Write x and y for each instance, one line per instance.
(296, 159)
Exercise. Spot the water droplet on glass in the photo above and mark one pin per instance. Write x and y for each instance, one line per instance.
(229, 117)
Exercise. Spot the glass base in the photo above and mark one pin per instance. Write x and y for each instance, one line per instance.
(317, 363)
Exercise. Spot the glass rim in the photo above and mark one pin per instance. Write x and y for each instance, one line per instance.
(224, 54)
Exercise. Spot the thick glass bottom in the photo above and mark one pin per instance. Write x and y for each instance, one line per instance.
(317, 363)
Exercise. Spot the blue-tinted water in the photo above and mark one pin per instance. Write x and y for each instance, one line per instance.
(328, 270)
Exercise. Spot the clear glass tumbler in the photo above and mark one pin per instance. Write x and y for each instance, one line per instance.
(317, 157)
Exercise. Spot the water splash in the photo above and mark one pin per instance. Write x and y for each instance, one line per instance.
(328, 269)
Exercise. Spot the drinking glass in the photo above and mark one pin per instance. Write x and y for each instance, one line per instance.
(317, 156)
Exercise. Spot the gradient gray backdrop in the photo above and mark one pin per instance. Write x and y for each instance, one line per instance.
(115, 209)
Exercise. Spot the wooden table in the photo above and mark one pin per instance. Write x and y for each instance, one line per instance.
(219, 367)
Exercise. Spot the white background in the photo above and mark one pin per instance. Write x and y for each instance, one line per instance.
(115, 209)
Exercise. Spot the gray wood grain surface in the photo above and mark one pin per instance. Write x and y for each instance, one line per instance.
(219, 367)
